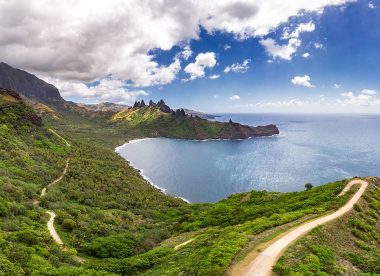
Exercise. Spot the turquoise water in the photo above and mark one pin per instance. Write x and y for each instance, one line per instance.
(310, 148)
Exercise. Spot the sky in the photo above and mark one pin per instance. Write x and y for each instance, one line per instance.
(299, 56)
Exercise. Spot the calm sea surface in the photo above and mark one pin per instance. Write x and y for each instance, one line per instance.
(310, 148)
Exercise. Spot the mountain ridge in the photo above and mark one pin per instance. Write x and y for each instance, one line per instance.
(28, 85)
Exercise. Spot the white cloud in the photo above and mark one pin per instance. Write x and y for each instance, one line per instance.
(371, 5)
(226, 47)
(202, 61)
(284, 51)
(107, 32)
(369, 92)
(186, 52)
(234, 97)
(238, 67)
(83, 41)
(337, 85)
(106, 90)
(318, 45)
(289, 103)
(301, 28)
(305, 55)
(214, 77)
(302, 81)
(364, 98)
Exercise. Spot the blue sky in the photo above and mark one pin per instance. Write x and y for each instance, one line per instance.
(214, 56)
(349, 61)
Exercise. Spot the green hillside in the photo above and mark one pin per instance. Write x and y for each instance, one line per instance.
(151, 121)
(350, 244)
(109, 215)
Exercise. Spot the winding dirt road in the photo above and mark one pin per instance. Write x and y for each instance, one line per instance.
(50, 225)
(36, 202)
(263, 263)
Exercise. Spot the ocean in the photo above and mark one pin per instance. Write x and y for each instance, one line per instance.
(313, 149)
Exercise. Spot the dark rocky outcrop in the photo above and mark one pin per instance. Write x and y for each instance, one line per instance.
(28, 85)
(179, 113)
(164, 107)
(239, 131)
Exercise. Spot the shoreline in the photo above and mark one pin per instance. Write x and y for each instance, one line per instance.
(141, 171)
(163, 190)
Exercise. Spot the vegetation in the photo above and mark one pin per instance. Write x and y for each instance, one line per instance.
(111, 216)
(308, 186)
(350, 244)
(150, 121)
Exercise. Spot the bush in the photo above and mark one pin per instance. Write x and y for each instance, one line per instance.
(116, 246)
(68, 224)
(308, 186)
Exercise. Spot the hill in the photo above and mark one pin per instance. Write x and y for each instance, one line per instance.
(349, 245)
(158, 120)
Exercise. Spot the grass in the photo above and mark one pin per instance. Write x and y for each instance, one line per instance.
(349, 244)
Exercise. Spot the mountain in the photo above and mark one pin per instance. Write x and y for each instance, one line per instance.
(199, 114)
(158, 120)
(28, 85)
(104, 107)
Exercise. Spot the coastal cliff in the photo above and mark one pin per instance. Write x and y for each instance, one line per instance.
(159, 120)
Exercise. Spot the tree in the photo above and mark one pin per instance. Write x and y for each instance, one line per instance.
(308, 186)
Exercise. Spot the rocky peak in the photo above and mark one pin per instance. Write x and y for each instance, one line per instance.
(179, 113)
(28, 85)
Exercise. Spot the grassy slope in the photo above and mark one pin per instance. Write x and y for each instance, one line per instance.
(350, 244)
(123, 225)
(30, 157)
(151, 122)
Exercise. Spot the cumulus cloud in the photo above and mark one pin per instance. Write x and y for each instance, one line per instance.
(369, 92)
(83, 41)
(106, 90)
(202, 61)
(305, 55)
(186, 52)
(371, 5)
(364, 98)
(301, 28)
(286, 50)
(238, 67)
(302, 81)
(234, 97)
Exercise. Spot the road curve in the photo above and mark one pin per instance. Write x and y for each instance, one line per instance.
(50, 225)
(263, 263)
